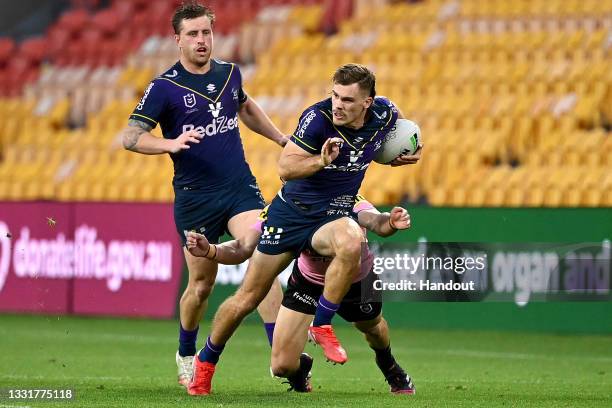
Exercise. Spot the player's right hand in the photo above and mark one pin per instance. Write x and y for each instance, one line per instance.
(399, 218)
(184, 139)
(330, 150)
(197, 244)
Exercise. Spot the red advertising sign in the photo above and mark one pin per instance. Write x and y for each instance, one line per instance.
(89, 258)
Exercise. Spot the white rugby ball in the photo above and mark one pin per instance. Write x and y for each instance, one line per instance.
(404, 138)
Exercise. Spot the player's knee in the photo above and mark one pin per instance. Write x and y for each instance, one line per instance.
(348, 244)
(349, 250)
(201, 290)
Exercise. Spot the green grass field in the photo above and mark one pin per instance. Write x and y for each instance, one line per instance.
(130, 363)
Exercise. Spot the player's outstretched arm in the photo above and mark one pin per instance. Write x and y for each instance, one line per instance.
(137, 137)
(256, 119)
(232, 252)
(297, 163)
(384, 224)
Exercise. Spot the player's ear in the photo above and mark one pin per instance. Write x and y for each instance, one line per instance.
(177, 38)
(368, 102)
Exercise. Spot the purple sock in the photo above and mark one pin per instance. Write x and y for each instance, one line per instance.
(270, 331)
(187, 341)
(211, 352)
(325, 312)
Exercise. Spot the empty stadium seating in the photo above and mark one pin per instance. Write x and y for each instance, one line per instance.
(513, 98)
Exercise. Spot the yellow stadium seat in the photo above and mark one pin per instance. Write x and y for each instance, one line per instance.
(4, 190)
(591, 198)
(534, 197)
(15, 191)
(437, 196)
(113, 192)
(553, 197)
(64, 191)
(475, 197)
(515, 197)
(32, 191)
(97, 191)
(494, 197)
(606, 199)
(457, 197)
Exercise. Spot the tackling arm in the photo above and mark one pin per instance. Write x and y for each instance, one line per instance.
(384, 224)
(232, 252)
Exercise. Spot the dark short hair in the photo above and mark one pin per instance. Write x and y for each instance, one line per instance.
(349, 74)
(189, 10)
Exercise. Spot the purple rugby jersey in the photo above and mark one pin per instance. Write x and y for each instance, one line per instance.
(208, 103)
(335, 187)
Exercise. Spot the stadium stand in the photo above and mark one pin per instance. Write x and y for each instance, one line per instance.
(514, 99)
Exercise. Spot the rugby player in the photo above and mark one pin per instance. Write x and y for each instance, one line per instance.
(323, 166)
(197, 103)
(306, 285)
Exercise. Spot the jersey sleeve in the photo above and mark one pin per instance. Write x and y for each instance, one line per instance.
(394, 113)
(242, 96)
(310, 131)
(151, 105)
(361, 204)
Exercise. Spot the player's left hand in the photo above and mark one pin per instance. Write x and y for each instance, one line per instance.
(400, 219)
(408, 159)
(197, 244)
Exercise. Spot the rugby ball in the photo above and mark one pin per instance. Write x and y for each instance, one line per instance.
(404, 138)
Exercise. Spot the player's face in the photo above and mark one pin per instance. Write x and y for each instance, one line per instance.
(349, 105)
(195, 40)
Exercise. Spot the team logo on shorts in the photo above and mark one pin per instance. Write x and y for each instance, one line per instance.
(190, 100)
(268, 231)
(271, 235)
(366, 308)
